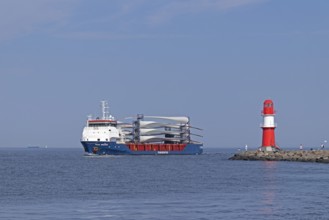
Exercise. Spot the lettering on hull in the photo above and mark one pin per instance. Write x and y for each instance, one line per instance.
(163, 152)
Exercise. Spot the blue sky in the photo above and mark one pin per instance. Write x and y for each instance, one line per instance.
(213, 60)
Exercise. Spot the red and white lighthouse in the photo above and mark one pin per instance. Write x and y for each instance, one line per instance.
(268, 126)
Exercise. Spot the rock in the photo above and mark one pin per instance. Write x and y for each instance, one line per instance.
(320, 156)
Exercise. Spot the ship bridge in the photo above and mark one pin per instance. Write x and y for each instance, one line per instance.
(101, 123)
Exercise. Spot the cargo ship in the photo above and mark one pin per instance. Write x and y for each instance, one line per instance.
(144, 135)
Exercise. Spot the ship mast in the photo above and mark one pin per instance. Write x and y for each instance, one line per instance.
(105, 110)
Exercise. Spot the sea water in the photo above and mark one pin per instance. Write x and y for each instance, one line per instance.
(63, 184)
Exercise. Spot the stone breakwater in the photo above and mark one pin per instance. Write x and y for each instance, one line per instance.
(321, 156)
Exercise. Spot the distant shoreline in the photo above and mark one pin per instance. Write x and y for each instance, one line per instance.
(319, 156)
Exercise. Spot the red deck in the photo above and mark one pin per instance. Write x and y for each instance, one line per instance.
(156, 147)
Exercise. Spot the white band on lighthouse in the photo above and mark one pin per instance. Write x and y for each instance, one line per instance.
(269, 121)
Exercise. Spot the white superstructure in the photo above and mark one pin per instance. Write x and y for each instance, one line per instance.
(104, 129)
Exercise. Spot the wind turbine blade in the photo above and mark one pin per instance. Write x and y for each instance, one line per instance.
(153, 124)
(148, 131)
(127, 132)
(130, 117)
(150, 139)
(157, 139)
(125, 125)
(200, 129)
(182, 119)
(149, 124)
(196, 135)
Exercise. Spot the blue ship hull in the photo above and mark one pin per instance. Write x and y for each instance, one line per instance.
(113, 148)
